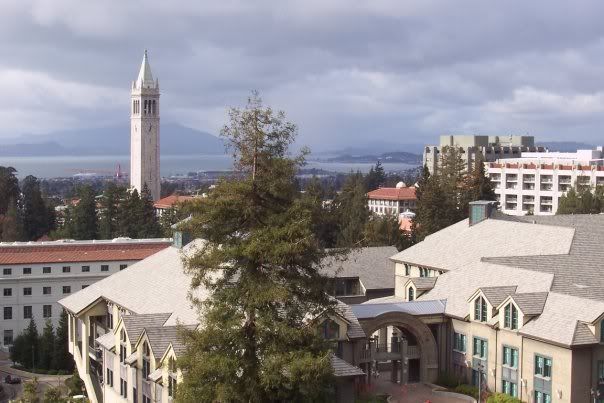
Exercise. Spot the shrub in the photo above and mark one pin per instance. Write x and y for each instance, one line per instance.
(447, 380)
(467, 390)
(502, 398)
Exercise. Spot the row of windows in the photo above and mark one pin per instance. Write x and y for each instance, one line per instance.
(46, 290)
(8, 271)
(27, 312)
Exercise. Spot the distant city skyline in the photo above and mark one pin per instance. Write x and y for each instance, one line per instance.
(347, 73)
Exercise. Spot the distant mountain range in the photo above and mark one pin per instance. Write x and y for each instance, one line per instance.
(175, 140)
(399, 157)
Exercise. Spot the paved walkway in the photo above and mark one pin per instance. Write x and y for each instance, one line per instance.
(411, 393)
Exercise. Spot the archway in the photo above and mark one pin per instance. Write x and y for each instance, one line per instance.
(425, 340)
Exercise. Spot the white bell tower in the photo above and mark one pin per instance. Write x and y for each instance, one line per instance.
(144, 132)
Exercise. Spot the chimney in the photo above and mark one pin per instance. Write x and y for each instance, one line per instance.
(181, 235)
(480, 210)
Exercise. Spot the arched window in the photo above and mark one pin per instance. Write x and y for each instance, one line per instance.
(122, 346)
(480, 309)
(411, 294)
(146, 360)
(329, 330)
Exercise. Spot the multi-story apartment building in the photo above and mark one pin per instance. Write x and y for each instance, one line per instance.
(535, 182)
(394, 201)
(492, 148)
(35, 275)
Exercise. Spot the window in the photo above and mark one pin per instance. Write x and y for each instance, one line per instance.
(543, 366)
(27, 291)
(123, 266)
(47, 311)
(172, 377)
(480, 348)
(66, 269)
(480, 309)
(510, 357)
(146, 361)
(104, 267)
(27, 313)
(109, 380)
(85, 269)
(407, 269)
(45, 270)
(459, 342)
(8, 292)
(122, 346)
(8, 337)
(510, 316)
(411, 294)
(600, 371)
(509, 388)
(134, 395)
(541, 397)
(110, 319)
(46, 290)
(329, 330)
(8, 312)
(423, 272)
(66, 289)
(146, 399)
(123, 388)
(7, 272)
(27, 270)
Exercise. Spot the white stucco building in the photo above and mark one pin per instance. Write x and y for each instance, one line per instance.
(144, 131)
(535, 181)
(35, 275)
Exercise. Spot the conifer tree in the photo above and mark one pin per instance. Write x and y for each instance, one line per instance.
(130, 215)
(47, 346)
(254, 345)
(9, 188)
(148, 227)
(352, 211)
(478, 185)
(324, 217)
(84, 221)
(37, 218)
(111, 205)
(375, 178)
(11, 225)
(432, 210)
(62, 359)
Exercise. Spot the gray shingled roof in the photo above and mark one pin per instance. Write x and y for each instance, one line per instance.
(530, 303)
(135, 324)
(342, 368)
(355, 331)
(371, 265)
(423, 283)
(583, 335)
(496, 295)
(160, 338)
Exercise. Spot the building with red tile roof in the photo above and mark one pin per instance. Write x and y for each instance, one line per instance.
(395, 201)
(170, 201)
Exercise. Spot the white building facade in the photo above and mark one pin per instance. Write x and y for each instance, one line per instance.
(34, 276)
(535, 182)
(144, 132)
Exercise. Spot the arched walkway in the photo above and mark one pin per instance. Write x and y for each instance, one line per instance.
(427, 345)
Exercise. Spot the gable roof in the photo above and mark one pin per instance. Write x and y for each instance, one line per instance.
(407, 193)
(355, 331)
(530, 303)
(342, 368)
(161, 337)
(135, 324)
(583, 335)
(496, 295)
(422, 283)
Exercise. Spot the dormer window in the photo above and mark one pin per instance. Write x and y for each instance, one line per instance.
(329, 330)
(411, 294)
(146, 360)
(480, 309)
(510, 317)
(122, 346)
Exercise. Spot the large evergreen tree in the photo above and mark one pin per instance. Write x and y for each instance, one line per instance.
(62, 359)
(110, 207)
(11, 225)
(38, 219)
(580, 202)
(324, 217)
(254, 345)
(149, 225)
(376, 177)
(84, 220)
(478, 185)
(432, 210)
(352, 211)
(47, 346)
(9, 188)
(130, 215)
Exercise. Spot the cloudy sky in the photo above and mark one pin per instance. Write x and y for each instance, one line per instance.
(346, 71)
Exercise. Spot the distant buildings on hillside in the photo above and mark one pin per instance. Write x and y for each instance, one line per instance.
(399, 201)
(534, 181)
(491, 147)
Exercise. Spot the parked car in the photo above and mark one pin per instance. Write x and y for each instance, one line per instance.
(12, 379)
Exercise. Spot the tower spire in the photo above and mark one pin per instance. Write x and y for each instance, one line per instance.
(145, 78)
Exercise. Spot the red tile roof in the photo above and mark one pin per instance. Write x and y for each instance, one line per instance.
(20, 254)
(170, 201)
(407, 193)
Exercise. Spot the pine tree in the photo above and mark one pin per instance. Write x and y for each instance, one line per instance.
(47, 345)
(110, 206)
(84, 220)
(569, 203)
(352, 211)
(431, 213)
(382, 231)
(148, 227)
(478, 186)
(9, 188)
(30, 353)
(324, 218)
(130, 215)
(452, 176)
(254, 345)
(37, 219)
(11, 225)
(62, 359)
(376, 177)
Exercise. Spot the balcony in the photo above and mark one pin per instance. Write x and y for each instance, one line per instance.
(528, 186)
(564, 180)
(512, 185)
(547, 187)
(528, 199)
(528, 179)
(547, 179)
(563, 187)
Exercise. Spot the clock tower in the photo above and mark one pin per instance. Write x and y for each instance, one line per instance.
(144, 131)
